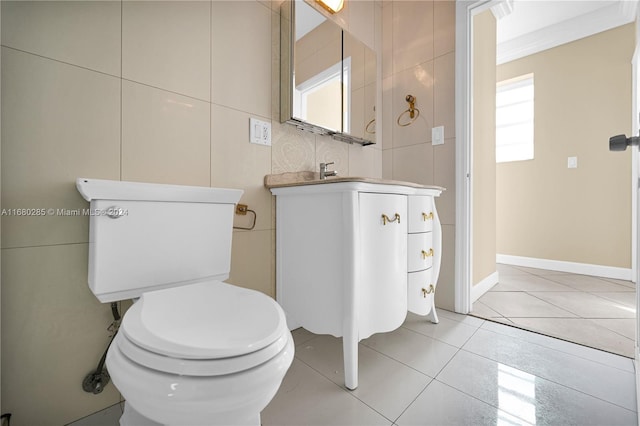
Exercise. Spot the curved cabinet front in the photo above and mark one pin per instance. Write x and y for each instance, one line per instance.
(349, 255)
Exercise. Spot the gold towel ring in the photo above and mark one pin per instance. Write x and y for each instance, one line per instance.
(414, 112)
(366, 129)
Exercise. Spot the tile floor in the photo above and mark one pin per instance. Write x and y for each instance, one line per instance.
(597, 312)
(462, 371)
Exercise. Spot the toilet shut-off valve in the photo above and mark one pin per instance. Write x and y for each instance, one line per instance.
(95, 381)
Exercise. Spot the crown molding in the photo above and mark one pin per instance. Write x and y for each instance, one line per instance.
(618, 13)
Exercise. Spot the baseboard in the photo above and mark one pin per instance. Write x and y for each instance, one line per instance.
(572, 267)
(483, 286)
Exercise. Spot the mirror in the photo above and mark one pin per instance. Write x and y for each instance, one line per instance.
(328, 77)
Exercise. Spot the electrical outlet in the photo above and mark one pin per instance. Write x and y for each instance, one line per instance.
(259, 132)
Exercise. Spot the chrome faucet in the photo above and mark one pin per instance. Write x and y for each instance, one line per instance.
(324, 173)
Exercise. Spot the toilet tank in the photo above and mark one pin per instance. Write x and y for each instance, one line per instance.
(146, 236)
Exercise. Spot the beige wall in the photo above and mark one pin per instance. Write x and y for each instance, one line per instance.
(544, 209)
(143, 91)
(484, 146)
(419, 59)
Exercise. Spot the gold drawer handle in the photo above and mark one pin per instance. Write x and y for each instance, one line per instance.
(426, 254)
(426, 217)
(425, 291)
(386, 219)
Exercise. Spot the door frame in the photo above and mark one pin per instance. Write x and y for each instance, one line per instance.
(465, 11)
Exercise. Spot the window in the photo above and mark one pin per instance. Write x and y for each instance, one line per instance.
(514, 119)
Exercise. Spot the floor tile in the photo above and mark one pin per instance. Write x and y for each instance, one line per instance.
(528, 397)
(528, 283)
(440, 404)
(481, 310)
(621, 282)
(420, 352)
(518, 304)
(300, 336)
(625, 298)
(508, 270)
(465, 319)
(623, 326)
(601, 381)
(601, 357)
(447, 330)
(580, 330)
(307, 398)
(541, 272)
(107, 417)
(585, 305)
(587, 283)
(386, 385)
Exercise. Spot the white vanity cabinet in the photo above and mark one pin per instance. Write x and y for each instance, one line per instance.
(346, 261)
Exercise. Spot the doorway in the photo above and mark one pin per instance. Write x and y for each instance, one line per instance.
(536, 228)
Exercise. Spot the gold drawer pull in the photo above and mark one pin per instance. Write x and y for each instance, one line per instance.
(426, 254)
(425, 291)
(426, 216)
(386, 219)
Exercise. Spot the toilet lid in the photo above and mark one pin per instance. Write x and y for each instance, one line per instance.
(206, 320)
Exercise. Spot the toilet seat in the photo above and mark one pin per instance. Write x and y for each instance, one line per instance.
(204, 329)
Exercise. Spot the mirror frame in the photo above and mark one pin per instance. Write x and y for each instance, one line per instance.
(287, 64)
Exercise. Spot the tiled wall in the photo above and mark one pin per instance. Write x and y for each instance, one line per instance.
(143, 91)
(162, 92)
(418, 54)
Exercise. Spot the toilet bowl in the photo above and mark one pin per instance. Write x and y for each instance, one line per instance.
(191, 350)
(196, 355)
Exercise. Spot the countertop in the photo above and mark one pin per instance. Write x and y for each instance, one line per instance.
(290, 179)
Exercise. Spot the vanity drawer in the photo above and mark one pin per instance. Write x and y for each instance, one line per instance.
(421, 213)
(420, 292)
(420, 253)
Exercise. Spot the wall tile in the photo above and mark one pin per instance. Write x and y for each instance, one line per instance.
(414, 164)
(444, 167)
(330, 150)
(235, 163)
(60, 122)
(53, 334)
(241, 81)
(387, 41)
(85, 33)
(445, 293)
(387, 164)
(251, 261)
(165, 136)
(419, 82)
(412, 33)
(444, 26)
(166, 44)
(361, 20)
(444, 93)
(293, 150)
(388, 122)
(363, 161)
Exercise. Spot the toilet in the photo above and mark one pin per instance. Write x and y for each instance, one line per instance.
(191, 350)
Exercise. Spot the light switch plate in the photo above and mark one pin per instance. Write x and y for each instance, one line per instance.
(437, 135)
(259, 132)
(572, 162)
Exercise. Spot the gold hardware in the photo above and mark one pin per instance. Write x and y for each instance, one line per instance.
(366, 129)
(386, 219)
(426, 217)
(425, 291)
(414, 112)
(426, 254)
(331, 6)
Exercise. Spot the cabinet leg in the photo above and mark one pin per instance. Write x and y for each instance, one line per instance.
(350, 349)
(433, 316)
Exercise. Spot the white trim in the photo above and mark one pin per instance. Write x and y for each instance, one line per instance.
(602, 19)
(562, 266)
(465, 10)
(484, 286)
